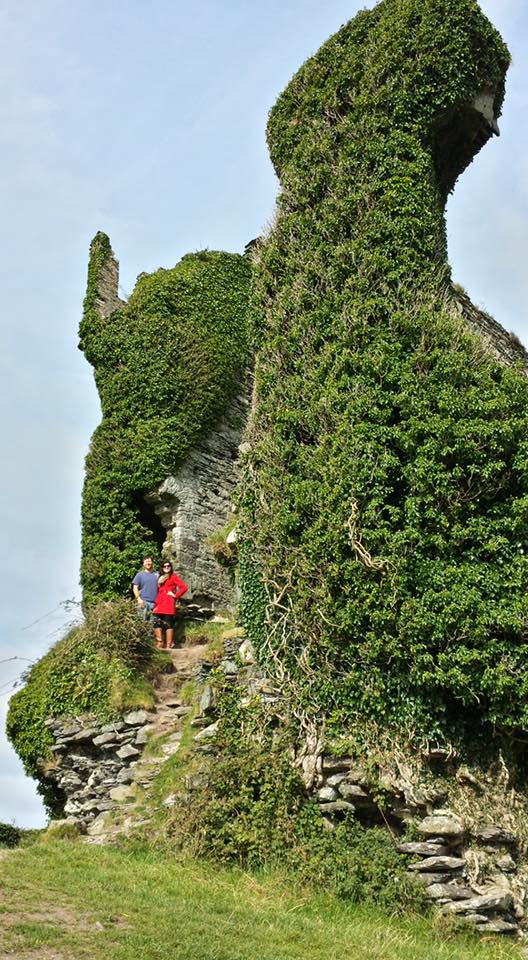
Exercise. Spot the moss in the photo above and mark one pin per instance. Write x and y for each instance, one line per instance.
(165, 365)
(384, 520)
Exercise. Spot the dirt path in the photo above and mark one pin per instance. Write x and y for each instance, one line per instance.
(165, 721)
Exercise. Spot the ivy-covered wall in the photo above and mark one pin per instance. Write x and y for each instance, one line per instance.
(384, 545)
(166, 365)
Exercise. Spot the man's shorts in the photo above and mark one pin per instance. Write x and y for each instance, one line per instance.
(164, 621)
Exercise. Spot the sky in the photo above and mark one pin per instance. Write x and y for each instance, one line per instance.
(147, 121)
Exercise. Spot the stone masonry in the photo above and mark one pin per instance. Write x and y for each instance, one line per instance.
(195, 503)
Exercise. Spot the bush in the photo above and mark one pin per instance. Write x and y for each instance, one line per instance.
(10, 835)
(251, 808)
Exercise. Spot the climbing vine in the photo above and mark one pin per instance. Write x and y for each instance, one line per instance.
(384, 520)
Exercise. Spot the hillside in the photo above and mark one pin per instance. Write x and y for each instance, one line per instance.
(62, 900)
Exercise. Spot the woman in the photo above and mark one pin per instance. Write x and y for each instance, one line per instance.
(170, 589)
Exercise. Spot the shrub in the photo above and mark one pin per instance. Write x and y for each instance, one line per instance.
(10, 835)
(250, 807)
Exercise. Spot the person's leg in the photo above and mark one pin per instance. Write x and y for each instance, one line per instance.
(169, 638)
(147, 610)
(159, 637)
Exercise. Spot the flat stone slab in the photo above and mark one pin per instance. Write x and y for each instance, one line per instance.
(449, 891)
(105, 738)
(127, 751)
(208, 733)
(351, 791)
(437, 864)
(423, 849)
(496, 836)
(501, 926)
(169, 749)
(429, 878)
(441, 826)
(337, 806)
(335, 779)
(336, 765)
(498, 902)
(120, 794)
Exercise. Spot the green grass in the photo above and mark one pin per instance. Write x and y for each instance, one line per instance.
(65, 900)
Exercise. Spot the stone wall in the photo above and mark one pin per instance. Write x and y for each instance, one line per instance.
(505, 346)
(475, 872)
(94, 762)
(195, 503)
(107, 298)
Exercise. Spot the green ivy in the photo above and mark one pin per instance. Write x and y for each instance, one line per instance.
(99, 668)
(166, 365)
(384, 514)
(250, 807)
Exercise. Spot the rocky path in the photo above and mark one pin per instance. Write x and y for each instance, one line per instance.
(164, 721)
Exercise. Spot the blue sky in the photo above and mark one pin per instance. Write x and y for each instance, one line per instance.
(147, 121)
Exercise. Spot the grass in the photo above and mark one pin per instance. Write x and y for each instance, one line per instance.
(65, 900)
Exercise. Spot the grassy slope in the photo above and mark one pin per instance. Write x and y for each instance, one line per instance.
(61, 900)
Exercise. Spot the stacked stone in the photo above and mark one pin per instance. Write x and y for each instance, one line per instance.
(443, 849)
(440, 857)
(442, 868)
(95, 762)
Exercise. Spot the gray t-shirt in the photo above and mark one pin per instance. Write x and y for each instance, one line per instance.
(147, 583)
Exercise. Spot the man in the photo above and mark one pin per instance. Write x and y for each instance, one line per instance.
(145, 587)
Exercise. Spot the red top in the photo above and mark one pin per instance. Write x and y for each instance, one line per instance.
(164, 603)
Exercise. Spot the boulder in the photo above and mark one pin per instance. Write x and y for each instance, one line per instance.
(246, 653)
(136, 718)
(326, 794)
(207, 700)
